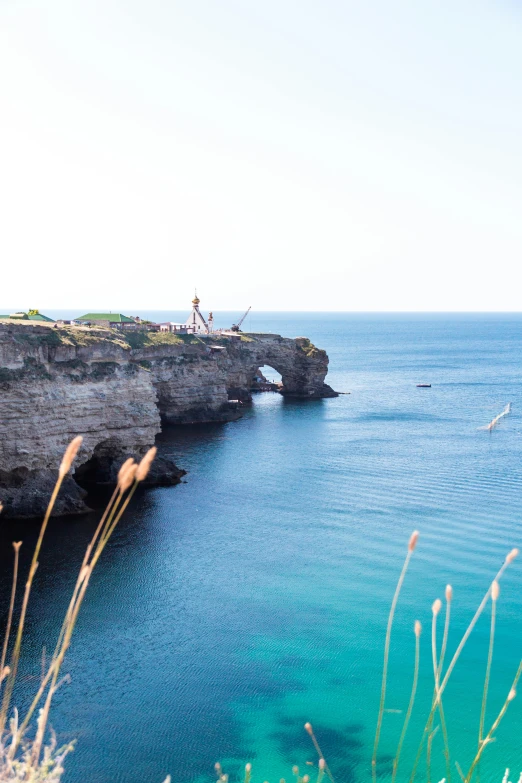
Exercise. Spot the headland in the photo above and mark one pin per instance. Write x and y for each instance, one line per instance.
(117, 388)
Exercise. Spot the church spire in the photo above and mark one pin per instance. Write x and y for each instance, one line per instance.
(195, 319)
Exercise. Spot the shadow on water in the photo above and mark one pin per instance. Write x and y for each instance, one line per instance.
(341, 747)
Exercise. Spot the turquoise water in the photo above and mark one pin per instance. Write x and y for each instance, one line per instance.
(229, 610)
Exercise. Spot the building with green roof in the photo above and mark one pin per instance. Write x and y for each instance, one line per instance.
(113, 320)
(31, 315)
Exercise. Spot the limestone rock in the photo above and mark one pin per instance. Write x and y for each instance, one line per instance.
(115, 389)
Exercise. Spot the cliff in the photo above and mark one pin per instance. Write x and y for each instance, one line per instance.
(115, 389)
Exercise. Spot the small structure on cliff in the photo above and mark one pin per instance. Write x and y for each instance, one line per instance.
(112, 320)
(172, 326)
(195, 322)
(31, 315)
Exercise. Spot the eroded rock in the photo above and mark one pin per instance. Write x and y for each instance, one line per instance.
(115, 389)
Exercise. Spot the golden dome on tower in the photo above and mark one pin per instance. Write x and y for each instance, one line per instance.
(195, 301)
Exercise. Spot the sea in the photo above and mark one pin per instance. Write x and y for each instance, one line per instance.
(253, 597)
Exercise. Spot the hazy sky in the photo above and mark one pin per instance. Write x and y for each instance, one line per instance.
(284, 154)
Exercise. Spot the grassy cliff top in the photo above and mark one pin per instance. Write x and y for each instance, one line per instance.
(44, 334)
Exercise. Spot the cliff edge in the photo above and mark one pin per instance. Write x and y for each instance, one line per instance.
(116, 389)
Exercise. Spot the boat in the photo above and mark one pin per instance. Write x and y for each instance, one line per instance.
(424, 386)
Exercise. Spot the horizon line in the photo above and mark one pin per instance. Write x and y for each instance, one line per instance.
(285, 311)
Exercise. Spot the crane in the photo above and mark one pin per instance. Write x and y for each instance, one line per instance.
(237, 327)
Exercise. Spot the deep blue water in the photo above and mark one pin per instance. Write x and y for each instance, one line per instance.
(228, 610)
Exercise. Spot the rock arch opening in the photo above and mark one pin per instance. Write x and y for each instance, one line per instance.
(266, 379)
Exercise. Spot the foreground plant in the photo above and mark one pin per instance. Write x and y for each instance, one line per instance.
(37, 758)
(441, 681)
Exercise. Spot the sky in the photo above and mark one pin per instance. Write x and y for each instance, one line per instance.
(286, 154)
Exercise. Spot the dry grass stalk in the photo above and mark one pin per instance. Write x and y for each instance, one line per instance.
(509, 559)
(325, 767)
(223, 778)
(505, 779)
(428, 753)
(31, 759)
(128, 462)
(322, 767)
(82, 576)
(16, 547)
(489, 736)
(70, 454)
(411, 547)
(437, 666)
(65, 465)
(449, 597)
(417, 630)
(495, 591)
(440, 688)
(127, 476)
(112, 518)
(146, 462)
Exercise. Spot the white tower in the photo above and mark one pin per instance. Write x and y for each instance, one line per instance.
(195, 321)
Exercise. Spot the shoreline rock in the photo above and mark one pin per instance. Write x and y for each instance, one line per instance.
(117, 389)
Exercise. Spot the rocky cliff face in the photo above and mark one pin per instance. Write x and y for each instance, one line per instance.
(115, 389)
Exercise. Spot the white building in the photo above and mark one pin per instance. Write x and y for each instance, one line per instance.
(171, 326)
(195, 322)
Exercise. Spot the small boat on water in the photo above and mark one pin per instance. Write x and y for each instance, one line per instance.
(424, 386)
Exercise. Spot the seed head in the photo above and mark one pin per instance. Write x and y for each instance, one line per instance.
(511, 695)
(306, 778)
(511, 556)
(248, 767)
(146, 462)
(125, 467)
(70, 453)
(295, 770)
(322, 763)
(308, 728)
(449, 593)
(413, 540)
(5, 671)
(128, 477)
(417, 628)
(217, 765)
(495, 590)
(17, 545)
(437, 606)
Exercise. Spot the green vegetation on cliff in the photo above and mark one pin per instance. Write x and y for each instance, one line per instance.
(308, 348)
